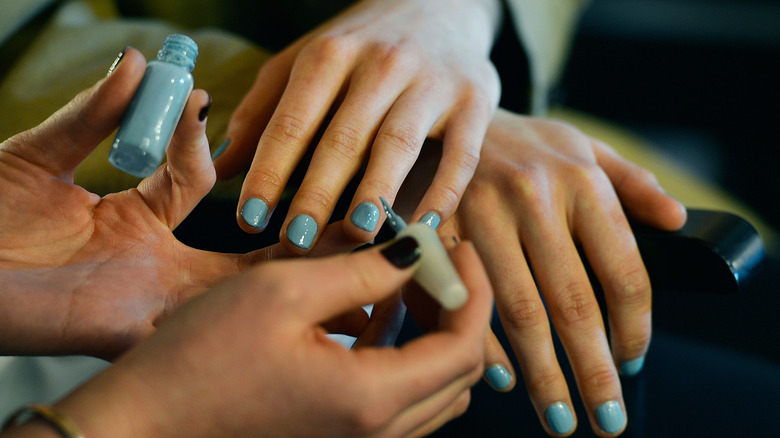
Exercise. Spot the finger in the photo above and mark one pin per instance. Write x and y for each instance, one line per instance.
(439, 408)
(352, 323)
(341, 152)
(639, 191)
(455, 409)
(250, 119)
(523, 314)
(431, 363)
(85, 121)
(360, 278)
(395, 149)
(611, 249)
(465, 132)
(575, 313)
(177, 186)
(316, 79)
(387, 318)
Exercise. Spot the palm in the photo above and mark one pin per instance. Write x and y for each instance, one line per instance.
(119, 267)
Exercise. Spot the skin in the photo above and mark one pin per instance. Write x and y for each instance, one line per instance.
(543, 188)
(103, 272)
(376, 81)
(238, 361)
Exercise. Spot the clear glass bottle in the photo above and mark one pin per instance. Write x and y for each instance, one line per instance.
(154, 112)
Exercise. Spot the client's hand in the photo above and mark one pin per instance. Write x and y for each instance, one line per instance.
(392, 73)
(250, 358)
(541, 191)
(85, 274)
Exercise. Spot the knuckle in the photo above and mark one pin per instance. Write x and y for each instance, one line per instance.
(405, 141)
(525, 313)
(380, 186)
(315, 195)
(461, 404)
(325, 49)
(286, 129)
(345, 142)
(635, 344)
(544, 383)
(368, 413)
(632, 288)
(266, 177)
(599, 376)
(574, 305)
(529, 182)
(389, 58)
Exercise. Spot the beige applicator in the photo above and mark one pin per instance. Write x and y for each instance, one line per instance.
(435, 274)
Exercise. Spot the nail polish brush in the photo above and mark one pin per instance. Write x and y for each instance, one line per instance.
(436, 273)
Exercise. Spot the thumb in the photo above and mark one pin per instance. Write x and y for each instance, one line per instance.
(350, 281)
(63, 140)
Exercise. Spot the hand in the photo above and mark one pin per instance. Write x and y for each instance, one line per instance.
(92, 275)
(250, 358)
(393, 73)
(541, 190)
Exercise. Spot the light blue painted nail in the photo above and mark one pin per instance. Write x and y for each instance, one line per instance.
(559, 418)
(220, 149)
(610, 417)
(365, 216)
(632, 367)
(498, 377)
(432, 219)
(302, 230)
(254, 212)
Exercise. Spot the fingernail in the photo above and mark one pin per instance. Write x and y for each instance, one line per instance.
(610, 417)
(365, 216)
(632, 367)
(432, 219)
(220, 149)
(117, 60)
(498, 377)
(403, 252)
(204, 112)
(302, 230)
(559, 418)
(254, 212)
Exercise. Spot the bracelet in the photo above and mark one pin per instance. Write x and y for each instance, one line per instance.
(64, 425)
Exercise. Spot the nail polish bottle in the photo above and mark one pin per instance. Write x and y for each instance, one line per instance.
(154, 112)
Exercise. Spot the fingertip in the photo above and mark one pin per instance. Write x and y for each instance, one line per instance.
(363, 222)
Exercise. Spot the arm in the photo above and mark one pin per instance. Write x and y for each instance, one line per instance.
(379, 78)
(245, 359)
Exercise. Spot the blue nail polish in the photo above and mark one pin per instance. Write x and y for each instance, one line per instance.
(220, 149)
(610, 417)
(498, 377)
(559, 418)
(432, 219)
(632, 367)
(365, 216)
(157, 106)
(254, 212)
(302, 230)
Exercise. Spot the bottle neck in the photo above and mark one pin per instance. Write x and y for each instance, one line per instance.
(179, 50)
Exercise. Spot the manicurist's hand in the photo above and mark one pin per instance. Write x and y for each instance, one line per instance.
(250, 358)
(379, 78)
(92, 275)
(541, 190)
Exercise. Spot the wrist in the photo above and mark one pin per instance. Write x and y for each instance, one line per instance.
(112, 404)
